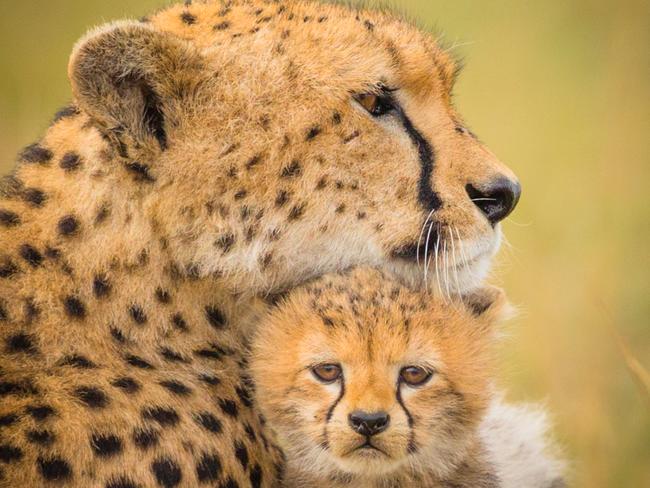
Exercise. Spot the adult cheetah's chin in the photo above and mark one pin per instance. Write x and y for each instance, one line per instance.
(450, 267)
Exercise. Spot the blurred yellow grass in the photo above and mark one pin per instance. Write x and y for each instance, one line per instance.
(561, 91)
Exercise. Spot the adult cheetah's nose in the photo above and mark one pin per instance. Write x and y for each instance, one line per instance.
(497, 199)
(368, 424)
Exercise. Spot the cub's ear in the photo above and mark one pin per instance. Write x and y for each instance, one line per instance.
(489, 302)
(132, 80)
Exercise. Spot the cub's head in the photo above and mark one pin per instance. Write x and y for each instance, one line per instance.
(274, 142)
(361, 376)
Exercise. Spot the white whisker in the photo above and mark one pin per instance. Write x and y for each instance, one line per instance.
(417, 254)
(446, 265)
(453, 255)
(426, 255)
(436, 263)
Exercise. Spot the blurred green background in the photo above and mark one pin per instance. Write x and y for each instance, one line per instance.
(560, 90)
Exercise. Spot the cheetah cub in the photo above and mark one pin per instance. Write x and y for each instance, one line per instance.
(372, 385)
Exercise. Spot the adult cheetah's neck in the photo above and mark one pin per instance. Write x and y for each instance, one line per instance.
(80, 260)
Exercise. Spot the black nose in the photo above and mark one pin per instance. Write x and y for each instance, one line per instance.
(368, 424)
(496, 200)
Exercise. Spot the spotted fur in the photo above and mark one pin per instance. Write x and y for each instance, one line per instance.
(213, 152)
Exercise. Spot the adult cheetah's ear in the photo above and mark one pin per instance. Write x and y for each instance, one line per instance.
(134, 80)
(488, 302)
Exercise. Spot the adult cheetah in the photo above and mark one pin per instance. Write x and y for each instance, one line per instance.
(216, 152)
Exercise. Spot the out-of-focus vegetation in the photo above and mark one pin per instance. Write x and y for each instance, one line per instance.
(561, 91)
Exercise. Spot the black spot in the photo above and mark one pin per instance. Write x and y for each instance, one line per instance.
(140, 172)
(65, 112)
(188, 18)
(209, 379)
(297, 211)
(340, 208)
(163, 296)
(34, 196)
(118, 335)
(282, 198)
(225, 242)
(105, 445)
(292, 170)
(31, 255)
(101, 286)
(137, 314)
(208, 422)
(208, 468)
(164, 416)
(222, 25)
(369, 25)
(240, 194)
(145, 438)
(70, 161)
(54, 468)
(351, 137)
(8, 269)
(9, 419)
(138, 362)
(361, 215)
(313, 132)
(208, 354)
(8, 218)
(229, 407)
(74, 307)
(176, 387)
(254, 161)
(9, 453)
(121, 482)
(216, 318)
(244, 395)
(241, 454)
(78, 361)
(21, 342)
(68, 225)
(35, 153)
(102, 214)
(91, 396)
(41, 437)
(171, 355)
(126, 384)
(40, 412)
(256, 476)
(250, 432)
(167, 472)
(179, 322)
(229, 483)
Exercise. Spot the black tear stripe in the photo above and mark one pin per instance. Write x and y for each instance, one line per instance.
(426, 196)
(409, 417)
(330, 411)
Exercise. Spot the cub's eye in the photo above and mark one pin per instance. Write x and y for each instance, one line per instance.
(327, 373)
(414, 375)
(376, 105)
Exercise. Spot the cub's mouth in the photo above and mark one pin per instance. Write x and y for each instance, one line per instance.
(368, 449)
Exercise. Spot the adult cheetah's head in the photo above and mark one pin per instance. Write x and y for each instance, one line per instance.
(280, 140)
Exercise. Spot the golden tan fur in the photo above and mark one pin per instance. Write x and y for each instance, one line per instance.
(213, 153)
(373, 327)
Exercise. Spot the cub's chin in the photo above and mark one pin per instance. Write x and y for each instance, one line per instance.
(369, 459)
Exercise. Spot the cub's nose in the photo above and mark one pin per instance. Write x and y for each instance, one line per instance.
(497, 199)
(368, 424)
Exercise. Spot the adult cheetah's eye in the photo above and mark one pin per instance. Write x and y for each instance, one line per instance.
(415, 376)
(327, 373)
(376, 104)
